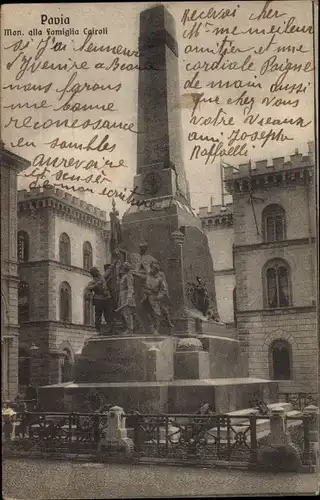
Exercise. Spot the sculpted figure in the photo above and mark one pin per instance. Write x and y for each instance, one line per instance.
(199, 296)
(112, 276)
(126, 303)
(154, 297)
(141, 261)
(101, 299)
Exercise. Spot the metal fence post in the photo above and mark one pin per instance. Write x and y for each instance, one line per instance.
(306, 444)
(137, 434)
(311, 435)
(218, 439)
(166, 435)
(253, 440)
(96, 431)
(70, 431)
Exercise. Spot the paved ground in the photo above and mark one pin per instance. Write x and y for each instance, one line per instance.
(25, 479)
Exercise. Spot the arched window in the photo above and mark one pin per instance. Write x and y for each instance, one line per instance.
(87, 256)
(64, 249)
(23, 302)
(24, 374)
(273, 223)
(277, 284)
(65, 302)
(87, 309)
(280, 360)
(66, 366)
(23, 246)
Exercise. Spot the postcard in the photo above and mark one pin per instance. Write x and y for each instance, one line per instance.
(159, 279)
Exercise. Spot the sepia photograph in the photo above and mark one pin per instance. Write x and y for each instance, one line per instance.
(159, 237)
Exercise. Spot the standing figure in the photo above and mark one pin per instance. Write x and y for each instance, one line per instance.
(142, 261)
(126, 303)
(112, 276)
(155, 293)
(101, 299)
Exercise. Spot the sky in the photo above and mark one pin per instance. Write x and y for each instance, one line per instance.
(122, 23)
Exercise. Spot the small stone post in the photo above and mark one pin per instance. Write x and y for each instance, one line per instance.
(312, 412)
(278, 428)
(115, 436)
(279, 454)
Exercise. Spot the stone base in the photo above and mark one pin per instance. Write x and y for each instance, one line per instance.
(176, 396)
(191, 365)
(155, 358)
(121, 359)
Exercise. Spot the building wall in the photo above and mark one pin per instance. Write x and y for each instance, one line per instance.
(225, 285)
(258, 326)
(220, 243)
(45, 215)
(36, 223)
(298, 327)
(290, 198)
(220, 236)
(249, 264)
(51, 338)
(77, 239)
(10, 166)
(78, 283)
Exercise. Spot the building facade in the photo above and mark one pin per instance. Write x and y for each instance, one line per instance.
(60, 238)
(218, 226)
(11, 165)
(274, 262)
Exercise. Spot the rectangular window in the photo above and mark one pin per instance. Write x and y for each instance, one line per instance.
(272, 288)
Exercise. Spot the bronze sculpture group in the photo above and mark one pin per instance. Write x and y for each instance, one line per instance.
(133, 287)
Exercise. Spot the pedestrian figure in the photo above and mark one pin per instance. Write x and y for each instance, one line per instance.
(8, 417)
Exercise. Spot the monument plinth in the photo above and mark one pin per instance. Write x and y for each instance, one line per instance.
(197, 362)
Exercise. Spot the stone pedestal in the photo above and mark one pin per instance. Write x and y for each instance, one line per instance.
(190, 361)
(312, 413)
(191, 365)
(279, 454)
(158, 374)
(115, 438)
(122, 359)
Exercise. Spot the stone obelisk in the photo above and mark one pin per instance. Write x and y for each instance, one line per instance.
(171, 228)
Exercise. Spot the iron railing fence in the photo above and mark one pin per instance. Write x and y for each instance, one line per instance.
(212, 438)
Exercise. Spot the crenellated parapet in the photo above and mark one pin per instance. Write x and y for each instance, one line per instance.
(218, 217)
(64, 204)
(282, 171)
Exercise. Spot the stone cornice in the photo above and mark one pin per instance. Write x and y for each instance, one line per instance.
(10, 277)
(56, 324)
(44, 262)
(274, 244)
(224, 272)
(11, 160)
(283, 311)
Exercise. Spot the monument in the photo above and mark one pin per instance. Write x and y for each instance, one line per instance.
(171, 228)
(173, 365)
